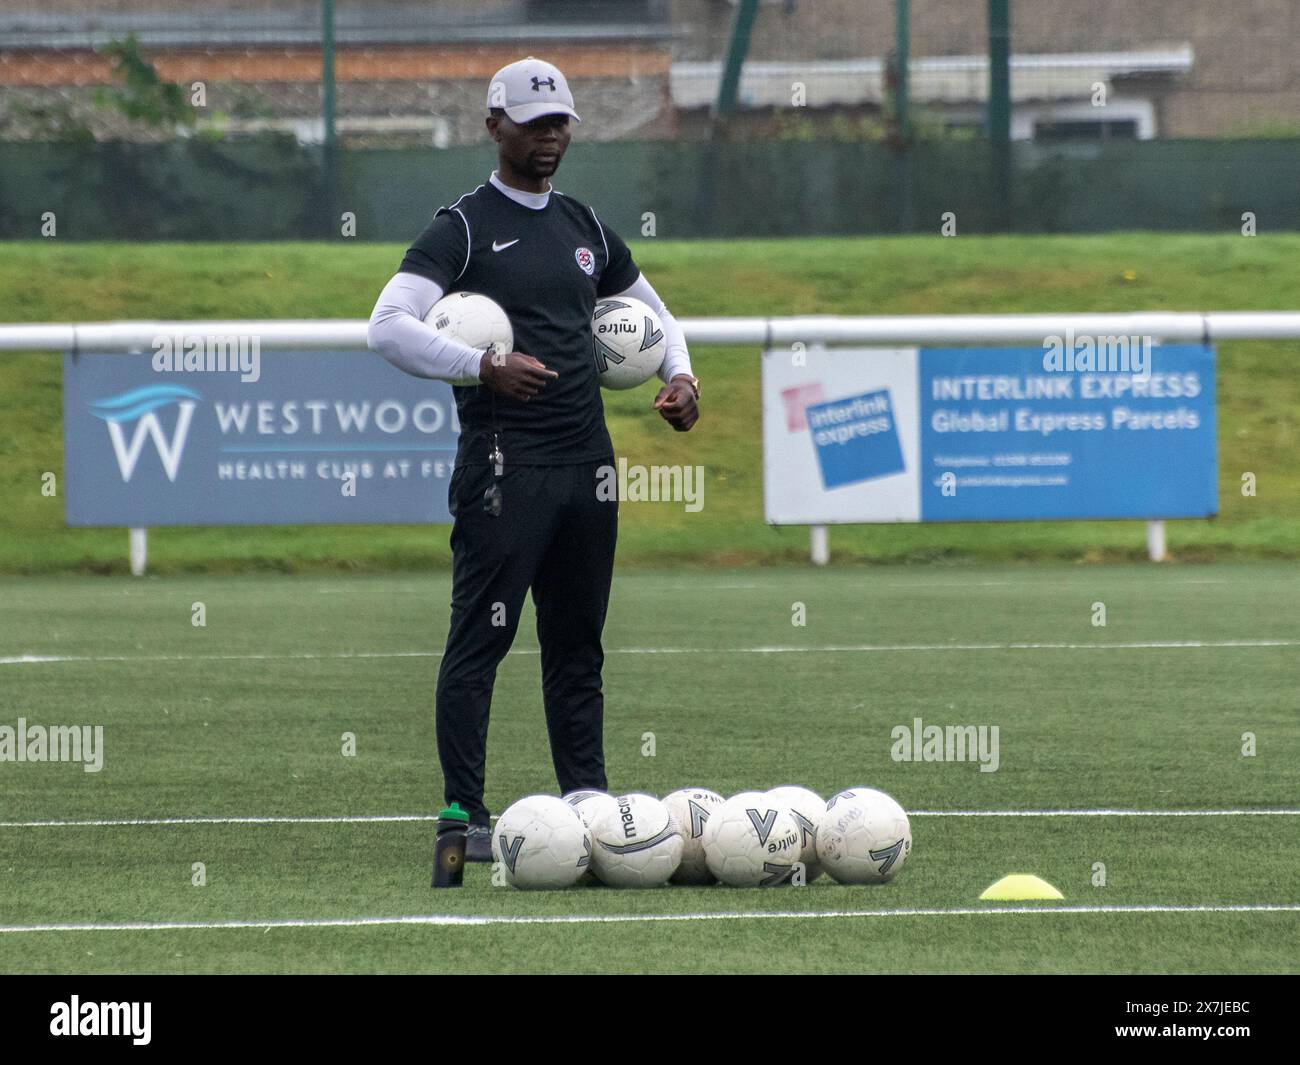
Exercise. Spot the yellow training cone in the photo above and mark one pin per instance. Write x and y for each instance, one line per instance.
(1020, 886)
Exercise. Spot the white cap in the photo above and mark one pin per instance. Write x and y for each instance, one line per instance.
(529, 89)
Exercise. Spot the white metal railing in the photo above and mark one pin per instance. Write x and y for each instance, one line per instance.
(1169, 326)
(941, 329)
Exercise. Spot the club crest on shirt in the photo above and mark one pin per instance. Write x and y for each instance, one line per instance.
(586, 260)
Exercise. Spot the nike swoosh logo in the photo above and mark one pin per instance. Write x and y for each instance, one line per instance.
(503, 247)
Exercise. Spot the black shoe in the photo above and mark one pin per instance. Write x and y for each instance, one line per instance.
(478, 844)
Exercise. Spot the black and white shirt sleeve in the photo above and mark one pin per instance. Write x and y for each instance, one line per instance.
(620, 271)
(441, 252)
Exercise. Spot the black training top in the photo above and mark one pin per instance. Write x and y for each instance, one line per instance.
(546, 268)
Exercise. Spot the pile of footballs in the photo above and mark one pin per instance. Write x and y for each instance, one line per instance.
(788, 835)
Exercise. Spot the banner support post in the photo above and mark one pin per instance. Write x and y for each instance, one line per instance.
(139, 539)
(821, 548)
(1156, 541)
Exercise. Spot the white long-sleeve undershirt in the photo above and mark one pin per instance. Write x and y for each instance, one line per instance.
(398, 332)
(677, 359)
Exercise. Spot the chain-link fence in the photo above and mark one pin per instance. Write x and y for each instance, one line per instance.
(411, 75)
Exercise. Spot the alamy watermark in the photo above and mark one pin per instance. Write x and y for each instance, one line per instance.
(946, 743)
(1086, 353)
(209, 353)
(53, 743)
(651, 484)
(77, 1018)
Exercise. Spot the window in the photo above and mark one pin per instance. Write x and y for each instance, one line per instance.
(1119, 129)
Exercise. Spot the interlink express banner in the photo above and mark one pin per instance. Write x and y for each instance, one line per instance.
(1012, 434)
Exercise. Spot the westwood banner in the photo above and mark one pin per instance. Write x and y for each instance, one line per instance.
(1006, 434)
(314, 437)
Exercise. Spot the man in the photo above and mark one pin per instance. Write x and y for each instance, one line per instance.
(533, 438)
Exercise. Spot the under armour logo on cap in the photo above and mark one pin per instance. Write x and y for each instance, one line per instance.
(517, 90)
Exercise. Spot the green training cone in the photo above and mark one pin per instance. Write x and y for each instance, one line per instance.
(1020, 886)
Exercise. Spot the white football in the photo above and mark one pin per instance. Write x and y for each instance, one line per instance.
(752, 796)
(751, 842)
(590, 804)
(541, 842)
(847, 793)
(475, 320)
(636, 844)
(807, 808)
(691, 808)
(628, 342)
(864, 837)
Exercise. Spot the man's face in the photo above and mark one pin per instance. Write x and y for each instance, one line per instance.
(534, 148)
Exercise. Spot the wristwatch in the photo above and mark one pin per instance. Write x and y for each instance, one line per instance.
(695, 382)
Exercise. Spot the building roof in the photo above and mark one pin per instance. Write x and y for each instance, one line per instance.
(936, 79)
(393, 22)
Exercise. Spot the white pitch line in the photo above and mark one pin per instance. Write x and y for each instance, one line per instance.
(775, 649)
(625, 918)
(38, 660)
(1104, 813)
(890, 648)
(368, 819)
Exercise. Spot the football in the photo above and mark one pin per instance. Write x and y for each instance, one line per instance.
(847, 793)
(541, 843)
(752, 796)
(590, 804)
(636, 844)
(691, 808)
(751, 842)
(807, 808)
(864, 837)
(474, 320)
(628, 342)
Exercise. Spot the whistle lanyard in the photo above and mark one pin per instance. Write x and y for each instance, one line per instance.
(492, 497)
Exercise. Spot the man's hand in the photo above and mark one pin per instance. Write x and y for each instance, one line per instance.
(676, 402)
(516, 375)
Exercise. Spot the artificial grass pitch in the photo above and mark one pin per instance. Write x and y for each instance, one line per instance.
(245, 718)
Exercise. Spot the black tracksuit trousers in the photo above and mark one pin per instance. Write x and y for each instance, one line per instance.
(554, 535)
